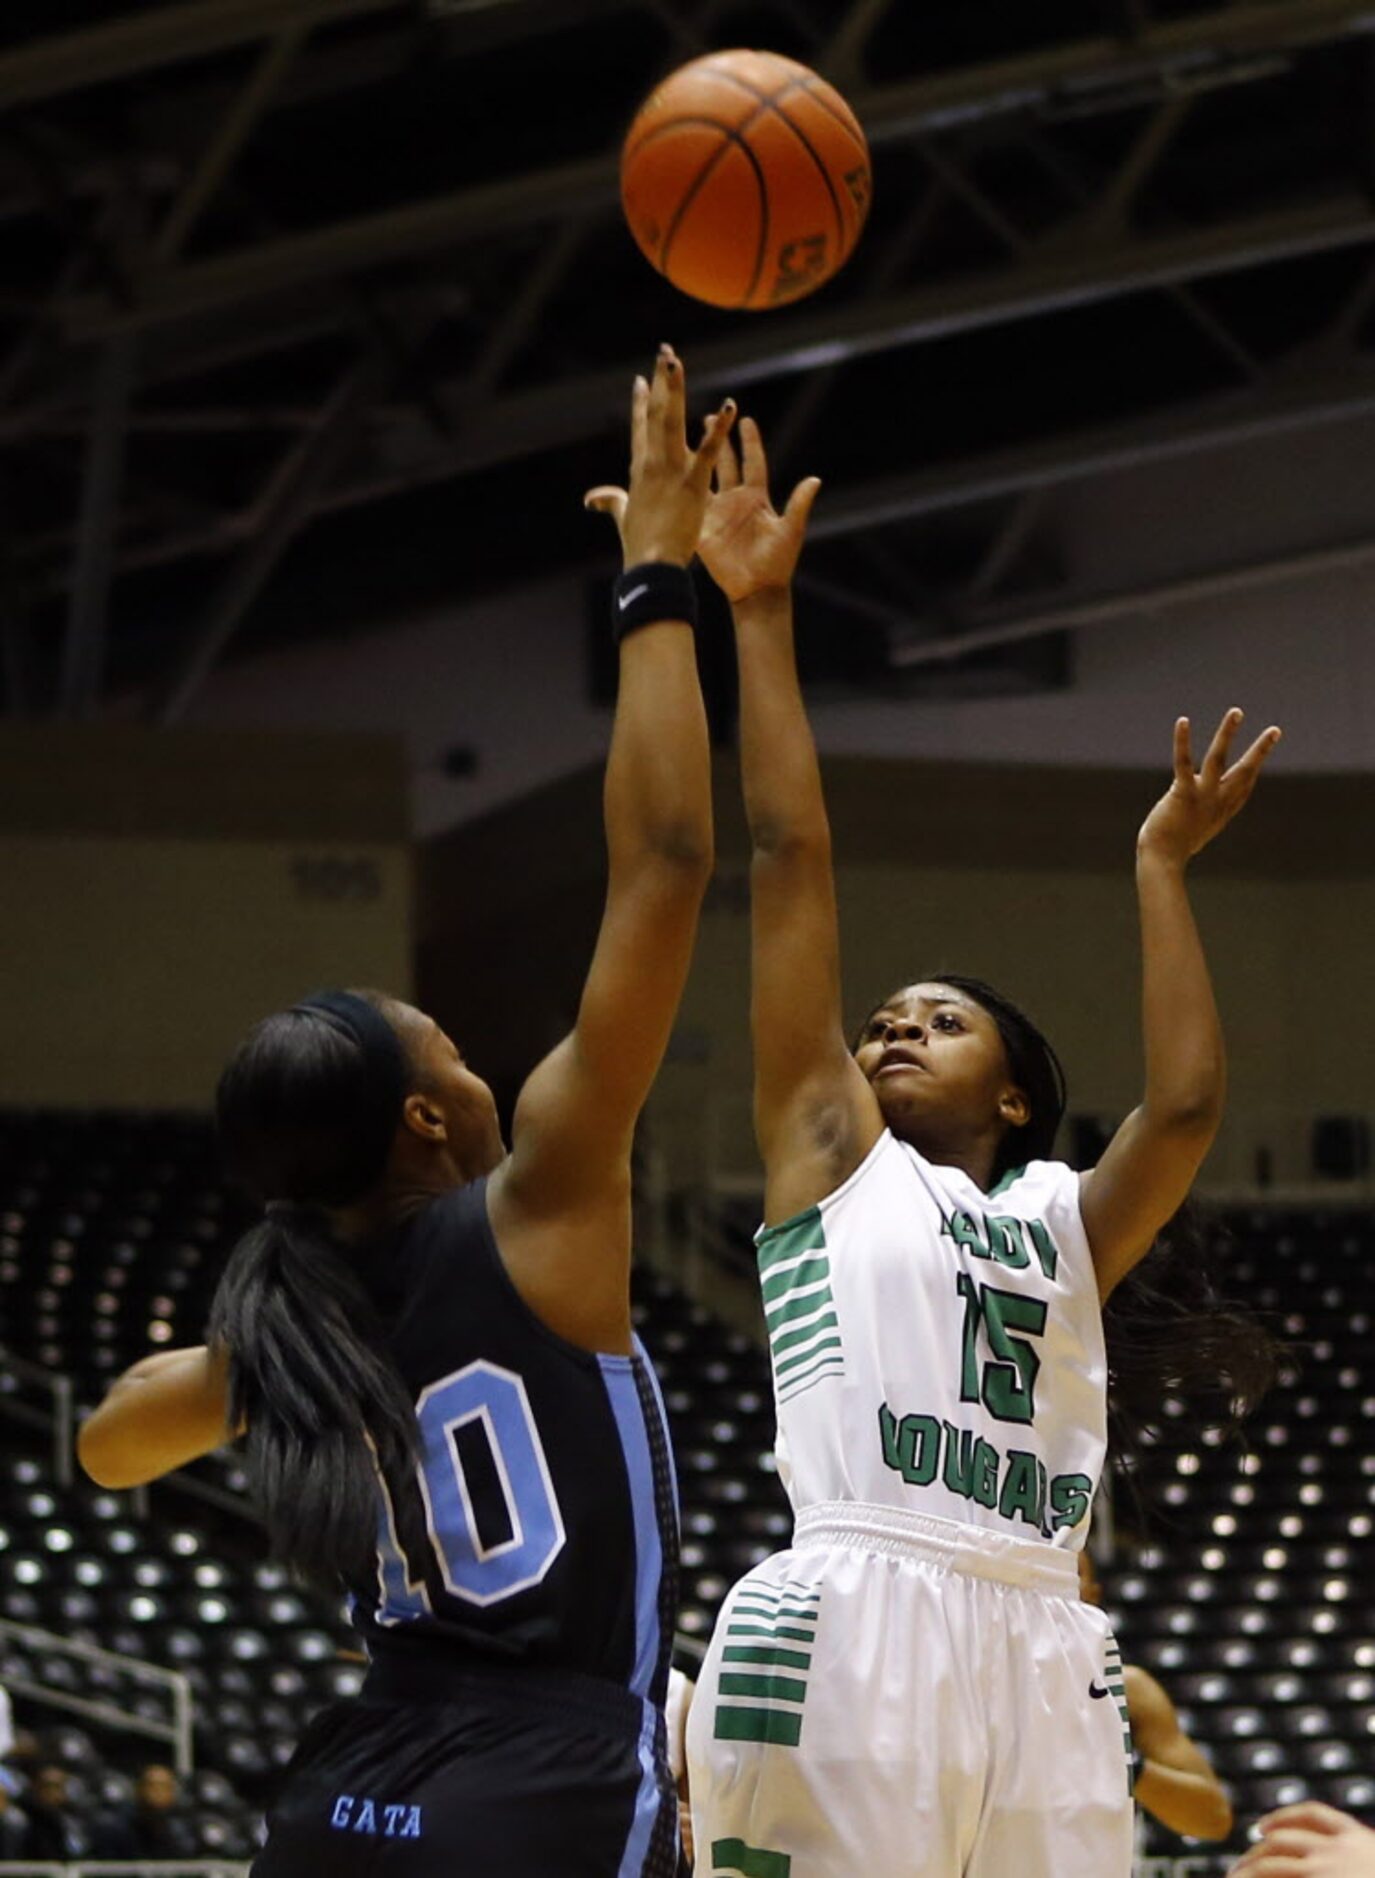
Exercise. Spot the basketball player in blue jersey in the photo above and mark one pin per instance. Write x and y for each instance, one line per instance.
(427, 1340)
(914, 1689)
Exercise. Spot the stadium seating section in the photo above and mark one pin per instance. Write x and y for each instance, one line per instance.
(1250, 1596)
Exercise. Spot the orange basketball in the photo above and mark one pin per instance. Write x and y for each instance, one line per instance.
(745, 179)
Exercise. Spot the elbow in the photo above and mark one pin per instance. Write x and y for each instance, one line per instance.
(1192, 1119)
(100, 1456)
(1217, 1821)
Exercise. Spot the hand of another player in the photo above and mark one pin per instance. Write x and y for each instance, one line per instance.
(660, 516)
(1310, 1841)
(1196, 807)
(746, 545)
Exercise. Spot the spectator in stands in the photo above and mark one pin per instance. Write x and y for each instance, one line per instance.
(154, 1827)
(56, 1832)
(14, 1824)
(1175, 1782)
(1310, 1841)
(6, 1725)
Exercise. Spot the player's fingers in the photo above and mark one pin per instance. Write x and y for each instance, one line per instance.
(1293, 1841)
(1309, 1815)
(799, 509)
(656, 420)
(639, 422)
(1183, 756)
(752, 450)
(606, 499)
(1250, 764)
(726, 469)
(713, 445)
(675, 402)
(1216, 760)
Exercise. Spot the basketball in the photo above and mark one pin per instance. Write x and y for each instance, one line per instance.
(745, 179)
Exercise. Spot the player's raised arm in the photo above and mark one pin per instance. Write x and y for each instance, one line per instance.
(560, 1204)
(815, 1115)
(1150, 1164)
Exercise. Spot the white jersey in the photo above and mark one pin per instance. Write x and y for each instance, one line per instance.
(938, 1349)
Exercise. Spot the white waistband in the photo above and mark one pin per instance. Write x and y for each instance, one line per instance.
(977, 1551)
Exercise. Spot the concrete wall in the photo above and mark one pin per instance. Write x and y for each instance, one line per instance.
(163, 890)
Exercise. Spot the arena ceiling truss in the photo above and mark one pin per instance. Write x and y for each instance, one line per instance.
(320, 308)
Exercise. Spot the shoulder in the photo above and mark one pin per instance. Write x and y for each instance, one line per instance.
(860, 1182)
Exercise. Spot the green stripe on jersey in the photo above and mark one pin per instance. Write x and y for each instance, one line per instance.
(798, 1358)
(790, 1240)
(771, 1630)
(772, 1725)
(794, 1339)
(732, 1858)
(770, 1688)
(795, 1301)
(765, 1656)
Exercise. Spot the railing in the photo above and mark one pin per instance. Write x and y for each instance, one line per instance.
(176, 1730)
(57, 1418)
(123, 1868)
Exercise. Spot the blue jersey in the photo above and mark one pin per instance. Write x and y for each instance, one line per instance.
(540, 1528)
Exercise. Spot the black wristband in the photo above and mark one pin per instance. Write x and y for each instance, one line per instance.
(653, 591)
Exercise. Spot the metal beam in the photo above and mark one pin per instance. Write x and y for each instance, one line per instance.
(1174, 51)
(1216, 424)
(83, 654)
(283, 510)
(157, 36)
(1111, 609)
(548, 416)
(236, 126)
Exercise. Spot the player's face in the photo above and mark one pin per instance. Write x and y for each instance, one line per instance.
(937, 1064)
(469, 1110)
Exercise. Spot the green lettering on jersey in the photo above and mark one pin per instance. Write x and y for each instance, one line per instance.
(912, 1447)
(1070, 1498)
(985, 1482)
(1021, 1496)
(1046, 1249)
(1005, 1242)
(966, 1231)
(959, 1461)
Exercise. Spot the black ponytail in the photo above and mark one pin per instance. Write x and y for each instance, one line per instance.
(310, 1379)
(1178, 1348)
(307, 1110)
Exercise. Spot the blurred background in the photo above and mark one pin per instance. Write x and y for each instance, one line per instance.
(317, 317)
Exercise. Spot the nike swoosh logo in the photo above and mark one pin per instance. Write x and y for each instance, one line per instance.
(627, 599)
(1097, 1693)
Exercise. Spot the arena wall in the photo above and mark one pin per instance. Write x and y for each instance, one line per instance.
(163, 889)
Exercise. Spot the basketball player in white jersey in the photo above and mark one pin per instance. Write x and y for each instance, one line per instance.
(915, 1690)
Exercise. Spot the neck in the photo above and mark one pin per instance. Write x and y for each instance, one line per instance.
(974, 1158)
(394, 1202)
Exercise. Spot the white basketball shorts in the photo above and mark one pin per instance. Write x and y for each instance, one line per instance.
(904, 1697)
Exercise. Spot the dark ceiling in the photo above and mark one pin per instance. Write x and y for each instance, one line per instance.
(314, 311)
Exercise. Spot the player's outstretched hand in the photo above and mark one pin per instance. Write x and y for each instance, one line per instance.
(746, 545)
(1310, 1841)
(1198, 805)
(660, 516)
